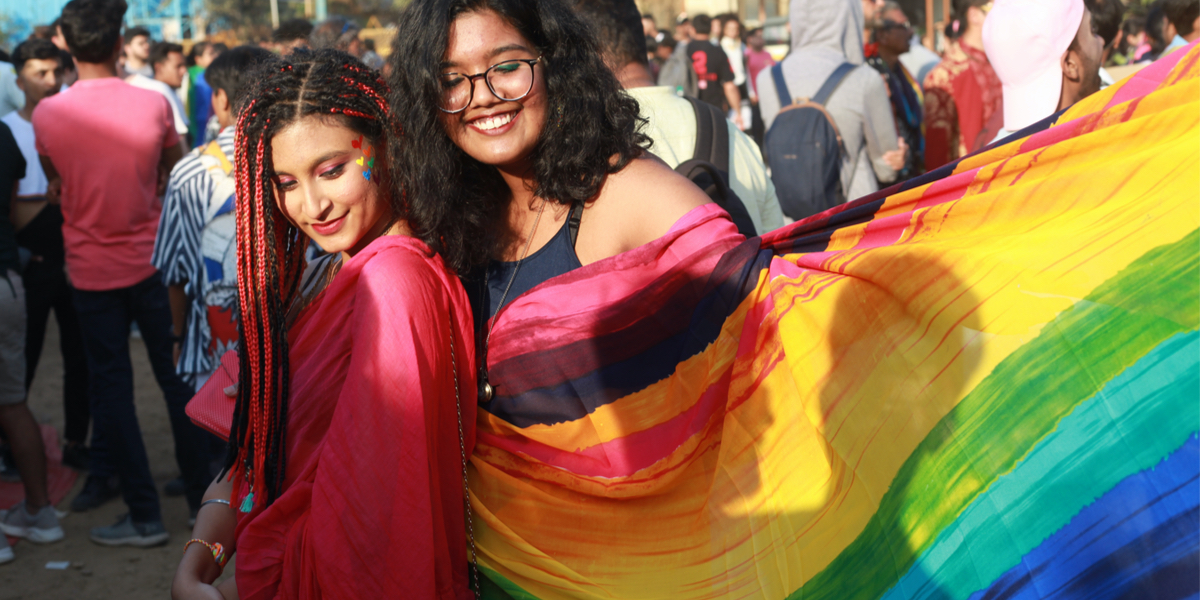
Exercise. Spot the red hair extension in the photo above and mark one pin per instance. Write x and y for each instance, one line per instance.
(352, 113)
(270, 250)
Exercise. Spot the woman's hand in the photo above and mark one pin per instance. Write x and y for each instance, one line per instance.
(228, 589)
(194, 590)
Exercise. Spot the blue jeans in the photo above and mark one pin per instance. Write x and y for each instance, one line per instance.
(117, 447)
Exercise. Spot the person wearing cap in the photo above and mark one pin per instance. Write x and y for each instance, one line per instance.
(1046, 55)
(963, 91)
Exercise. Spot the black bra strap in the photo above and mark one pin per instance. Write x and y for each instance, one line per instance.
(573, 221)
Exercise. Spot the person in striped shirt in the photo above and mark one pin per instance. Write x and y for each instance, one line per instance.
(195, 248)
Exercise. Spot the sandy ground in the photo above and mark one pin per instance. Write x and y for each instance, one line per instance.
(98, 572)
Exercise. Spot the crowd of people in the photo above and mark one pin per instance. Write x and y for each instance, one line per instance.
(932, 108)
(119, 216)
(352, 230)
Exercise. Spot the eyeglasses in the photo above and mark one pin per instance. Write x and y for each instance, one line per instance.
(889, 25)
(509, 81)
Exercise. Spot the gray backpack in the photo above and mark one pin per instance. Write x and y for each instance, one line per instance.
(805, 149)
(677, 73)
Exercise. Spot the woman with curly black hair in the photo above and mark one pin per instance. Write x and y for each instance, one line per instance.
(528, 160)
(523, 146)
(345, 476)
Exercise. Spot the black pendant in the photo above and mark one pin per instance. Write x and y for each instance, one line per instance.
(486, 392)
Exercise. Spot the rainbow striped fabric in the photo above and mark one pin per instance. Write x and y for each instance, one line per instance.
(984, 383)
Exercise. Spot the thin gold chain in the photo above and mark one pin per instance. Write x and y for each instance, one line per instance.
(462, 448)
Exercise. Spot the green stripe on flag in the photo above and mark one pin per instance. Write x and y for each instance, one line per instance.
(1014, 408)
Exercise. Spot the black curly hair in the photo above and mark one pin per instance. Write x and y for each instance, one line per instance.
(595, 132)
(270, 249)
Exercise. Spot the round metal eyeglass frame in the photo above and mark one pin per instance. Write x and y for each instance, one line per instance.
(532, 62)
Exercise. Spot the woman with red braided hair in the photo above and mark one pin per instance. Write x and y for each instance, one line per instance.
(345, 472)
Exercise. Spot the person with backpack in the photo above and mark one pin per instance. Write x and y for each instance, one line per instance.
(821, 156)
(676, 72)
(691, 136)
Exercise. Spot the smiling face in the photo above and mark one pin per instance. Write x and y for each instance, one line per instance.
(324, 184)
(493, 131)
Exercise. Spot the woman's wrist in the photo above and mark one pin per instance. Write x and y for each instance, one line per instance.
(216, 523)
(199, 563)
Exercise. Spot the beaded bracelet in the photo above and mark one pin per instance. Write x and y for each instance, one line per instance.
(218, 551)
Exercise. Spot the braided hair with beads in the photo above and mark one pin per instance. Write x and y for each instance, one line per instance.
(270, 250)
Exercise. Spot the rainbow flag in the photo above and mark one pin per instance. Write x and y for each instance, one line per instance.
(983, 383)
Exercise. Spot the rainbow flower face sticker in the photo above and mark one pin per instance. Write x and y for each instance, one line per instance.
(368, 157)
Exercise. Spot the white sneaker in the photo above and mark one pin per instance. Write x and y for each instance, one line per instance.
(6, 553)
(42, 528)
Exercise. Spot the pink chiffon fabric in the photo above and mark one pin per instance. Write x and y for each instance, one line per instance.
(372, 505)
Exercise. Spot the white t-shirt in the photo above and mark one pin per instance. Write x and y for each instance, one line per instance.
(34, 183)
(672, 127)
(11, 96)
(146, 83)
(737, 59)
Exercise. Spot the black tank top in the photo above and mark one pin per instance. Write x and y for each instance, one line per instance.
(486, 288)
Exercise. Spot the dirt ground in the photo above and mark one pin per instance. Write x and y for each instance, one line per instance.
(98, 572)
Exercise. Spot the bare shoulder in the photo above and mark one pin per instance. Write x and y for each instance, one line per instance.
(636, 206)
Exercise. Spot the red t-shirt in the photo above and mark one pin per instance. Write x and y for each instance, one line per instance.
(105, 138)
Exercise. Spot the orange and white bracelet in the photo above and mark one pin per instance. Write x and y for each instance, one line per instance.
(218, 551)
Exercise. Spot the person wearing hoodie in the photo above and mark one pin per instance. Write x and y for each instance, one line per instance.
(825, 34)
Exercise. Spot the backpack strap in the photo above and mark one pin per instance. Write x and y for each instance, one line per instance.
(711, 156)
(713, 182)
(785, 98)
(573, 221)
(835, 79)
(712, 135)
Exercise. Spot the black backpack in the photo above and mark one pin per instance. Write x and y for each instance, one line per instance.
(709, 166)
(805, 149)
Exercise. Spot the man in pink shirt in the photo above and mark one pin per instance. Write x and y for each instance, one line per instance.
(106, 148)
